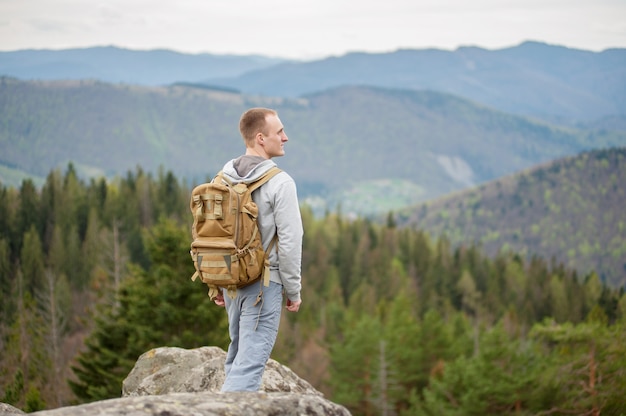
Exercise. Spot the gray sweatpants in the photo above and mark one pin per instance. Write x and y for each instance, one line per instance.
(253, 331)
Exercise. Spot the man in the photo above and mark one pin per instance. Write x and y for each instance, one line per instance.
(253, 326)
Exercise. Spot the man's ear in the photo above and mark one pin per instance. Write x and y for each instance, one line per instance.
(259, 138)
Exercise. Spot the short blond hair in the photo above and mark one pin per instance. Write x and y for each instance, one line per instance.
(253, 121)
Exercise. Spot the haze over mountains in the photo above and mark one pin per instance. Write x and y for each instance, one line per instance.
(368, 132)
(426, 143)
(430, 121)
(532, 79)
(116, 65)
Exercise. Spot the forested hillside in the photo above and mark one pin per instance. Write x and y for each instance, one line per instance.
(553, 82)
(345, 144)
(502, 293)
(571, 209)
(94, 273)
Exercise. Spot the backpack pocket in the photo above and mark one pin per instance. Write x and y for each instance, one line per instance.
(216, 262)
(251, 265)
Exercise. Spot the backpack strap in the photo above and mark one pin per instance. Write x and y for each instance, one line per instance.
(252, 187)
(218, 175)
(266, 269)
(263, 179)
(265, 281)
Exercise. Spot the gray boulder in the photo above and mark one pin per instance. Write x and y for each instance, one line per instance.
(180, 382)
(206, 404)
(8, 410)
(177, 370)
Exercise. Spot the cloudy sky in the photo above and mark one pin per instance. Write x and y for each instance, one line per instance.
(309, 29)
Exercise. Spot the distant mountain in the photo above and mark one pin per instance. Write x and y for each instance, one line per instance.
(368, 149)
(571, 209)
(553, 83)
(112, 64)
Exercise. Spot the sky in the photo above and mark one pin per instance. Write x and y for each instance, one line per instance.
(307, 30)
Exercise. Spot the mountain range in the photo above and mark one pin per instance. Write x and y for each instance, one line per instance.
(447, 139)
(117, 65)
(551, 82)
(414, 145)
(532, 79)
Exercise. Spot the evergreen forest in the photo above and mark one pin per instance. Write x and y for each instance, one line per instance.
(571, 209)
(93, 273)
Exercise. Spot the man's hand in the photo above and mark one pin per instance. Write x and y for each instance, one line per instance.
(293, 306)
(219, 300)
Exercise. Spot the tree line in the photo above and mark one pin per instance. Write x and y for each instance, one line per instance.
(394, 321)
(570, 208)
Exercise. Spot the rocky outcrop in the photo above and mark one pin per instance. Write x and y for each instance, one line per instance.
(8, 410)
(180, 382)
(206, 404)
(177, 370)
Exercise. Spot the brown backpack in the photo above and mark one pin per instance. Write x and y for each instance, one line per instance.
(226, 249)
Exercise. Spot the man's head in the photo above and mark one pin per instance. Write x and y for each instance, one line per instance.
(263, 132)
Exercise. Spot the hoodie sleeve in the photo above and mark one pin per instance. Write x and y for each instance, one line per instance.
(290, 233)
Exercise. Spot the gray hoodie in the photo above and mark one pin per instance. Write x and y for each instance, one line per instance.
(279, 212)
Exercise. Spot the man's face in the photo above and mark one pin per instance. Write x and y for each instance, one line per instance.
(273, 142)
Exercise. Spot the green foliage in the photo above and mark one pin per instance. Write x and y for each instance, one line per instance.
(441, 143)
(394, 319)
(354, 365)
(495, 381)
(586, 370)
(67, 235)
(13, 390)
(570, 210)
(28, 213)
(34, 402)
(6, 282)
(153, 308)
(25, 361)
(33, 266)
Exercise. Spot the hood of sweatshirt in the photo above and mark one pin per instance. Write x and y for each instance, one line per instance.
(247, 168)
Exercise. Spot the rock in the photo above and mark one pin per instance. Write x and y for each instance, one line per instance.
(179, 382)
(177, 370)
(207, 404)
(8, 410)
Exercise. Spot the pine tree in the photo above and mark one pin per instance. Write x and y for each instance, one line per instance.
(51, 203)
(497, 381)
(56, 252)
(91, 249)
(154, 308)
(593, 291)
(8, 223)
(587, 365)
(558, 299)
(404, 351)
(6, 282)
(25, 358)
(355, 364)
(73, 208)
(28, 217)
(171, 197)
(33, 259)
(73, 266)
